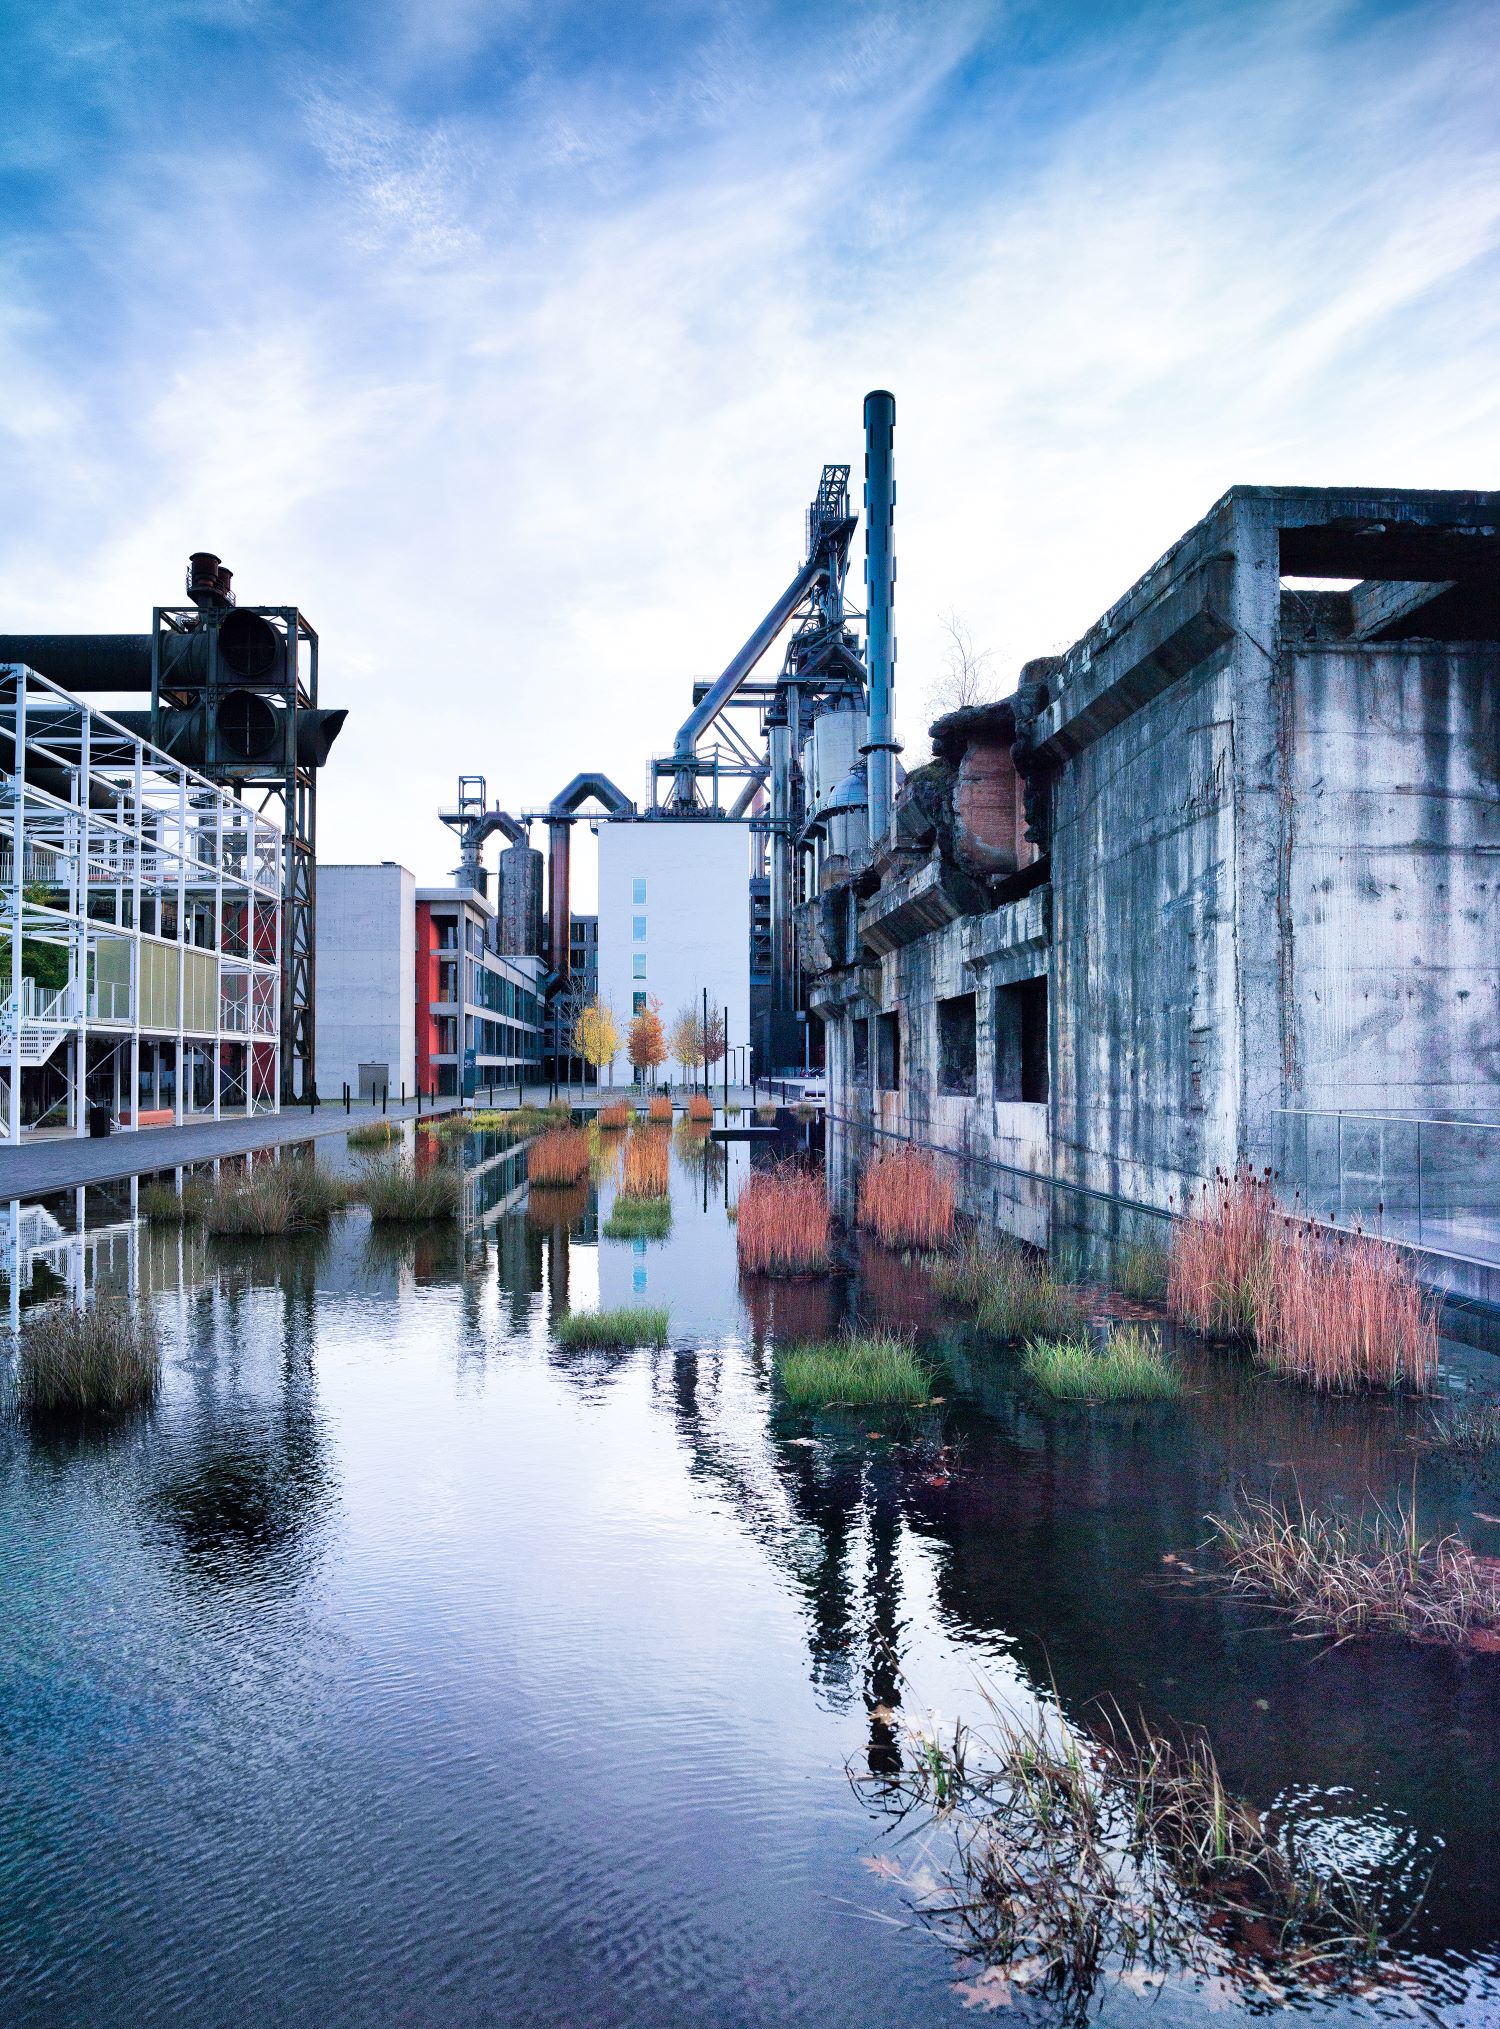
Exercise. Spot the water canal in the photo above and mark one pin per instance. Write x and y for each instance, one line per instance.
(401, 1667)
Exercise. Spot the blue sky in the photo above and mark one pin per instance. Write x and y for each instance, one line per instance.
(508, 339)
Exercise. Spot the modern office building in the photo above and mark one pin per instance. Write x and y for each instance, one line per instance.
(367, 980)
(583, 949)
(479, 1012)
(674, 923)
(140, 926)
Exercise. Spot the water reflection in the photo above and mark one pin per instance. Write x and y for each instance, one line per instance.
(534, 1635)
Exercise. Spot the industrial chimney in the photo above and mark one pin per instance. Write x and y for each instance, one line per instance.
(880, 583)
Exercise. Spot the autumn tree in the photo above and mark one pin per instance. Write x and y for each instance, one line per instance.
(645, 1043)
(686, 1039)
(596, 1036)
(715, 1037)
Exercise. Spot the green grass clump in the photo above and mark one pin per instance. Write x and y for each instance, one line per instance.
(283, 1197)
(76, 1365)
(1012, 1293)
(612, 1330)
(766, 1115)
(858, 1368)
(1128, 1367)
(1471, 1428)
(1139, 1271)
(374, 1134)
(398, 1193)
(165, 1206)
(639, 1219)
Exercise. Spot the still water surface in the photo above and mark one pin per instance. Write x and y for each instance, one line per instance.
(401, 1668)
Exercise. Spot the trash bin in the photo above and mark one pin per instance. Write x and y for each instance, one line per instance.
(100, 1121)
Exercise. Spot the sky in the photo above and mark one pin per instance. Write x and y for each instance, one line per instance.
(508, 339)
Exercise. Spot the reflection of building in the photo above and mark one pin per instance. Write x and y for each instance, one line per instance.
(146, 973)
(673, 921)
(367, 980)
(479, 1011)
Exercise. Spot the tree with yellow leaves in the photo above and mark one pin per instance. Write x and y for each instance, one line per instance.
(596, 1036)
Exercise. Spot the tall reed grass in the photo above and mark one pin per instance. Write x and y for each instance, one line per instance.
(646, 1171)
(700, 1106)
(783, 1225)
(374, 1134)
(1012, 1292)
(659, 1108)
(1344, 1311)
(616, 1115)
(906, 1200)
(1339, 1311)
(77, 1365)
(1374, 1573)
(559, 1157)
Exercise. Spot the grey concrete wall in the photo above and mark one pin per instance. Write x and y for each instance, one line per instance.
(367, 974)
(1392, 837)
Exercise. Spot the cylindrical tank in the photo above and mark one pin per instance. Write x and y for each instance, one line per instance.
(838, 738)
(520, 902)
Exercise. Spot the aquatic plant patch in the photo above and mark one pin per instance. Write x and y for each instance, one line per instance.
(290, 1196)
(857, 1368)
(1067, 1861)
(906, 1200)
(700, 1107)
(615, 1116)
(1341, 1577)
(558, 1158)
(612, 1330)
(399, 1193)
(766, 1115)
(1012, 1292)
(783, 1224)
(374, 1134)
(166, 1206)
(1128, 1367)
(1469, 1428)
(1220, 1256)
(82, 1364)
(638, 1218)
(646, 1171)
(1343, 1311)
(660, 1108)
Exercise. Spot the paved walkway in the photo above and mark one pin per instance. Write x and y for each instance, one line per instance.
(60, 1163)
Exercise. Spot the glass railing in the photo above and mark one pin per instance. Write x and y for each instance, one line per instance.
(1430, 1178)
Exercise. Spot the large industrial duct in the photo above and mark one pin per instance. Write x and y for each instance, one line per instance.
(880, 582)
(560, 815)
(248, 646)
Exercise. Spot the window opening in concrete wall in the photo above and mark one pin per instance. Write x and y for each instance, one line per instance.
(861, 1038)
(1021, 1041)
(958, 1049)
(888, 1050)
(638, 891)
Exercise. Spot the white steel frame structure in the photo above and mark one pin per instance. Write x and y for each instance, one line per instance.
(163, 891)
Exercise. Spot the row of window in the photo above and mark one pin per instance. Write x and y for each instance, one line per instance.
(486, 1038)
(1020, 1044)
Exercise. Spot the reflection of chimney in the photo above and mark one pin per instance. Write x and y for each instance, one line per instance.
(880, 582)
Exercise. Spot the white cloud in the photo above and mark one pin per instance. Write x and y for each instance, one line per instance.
(524, 408)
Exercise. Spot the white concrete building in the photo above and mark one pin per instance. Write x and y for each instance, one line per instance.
(367, 979)
(674, 920)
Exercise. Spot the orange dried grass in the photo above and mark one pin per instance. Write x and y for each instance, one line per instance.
(1344, 1311)
(782, 1223)
(615, 1116)
(647, 1169)
(700, 1107)
(906, 1200)
(558, 1158)
(1220, 1256)
(660, 1107)
(1337, 1310)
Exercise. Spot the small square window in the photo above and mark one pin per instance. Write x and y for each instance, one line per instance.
(638, 891)
(638, 929)
(638, 966)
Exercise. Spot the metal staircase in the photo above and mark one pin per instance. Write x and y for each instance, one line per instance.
(41, 1018)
